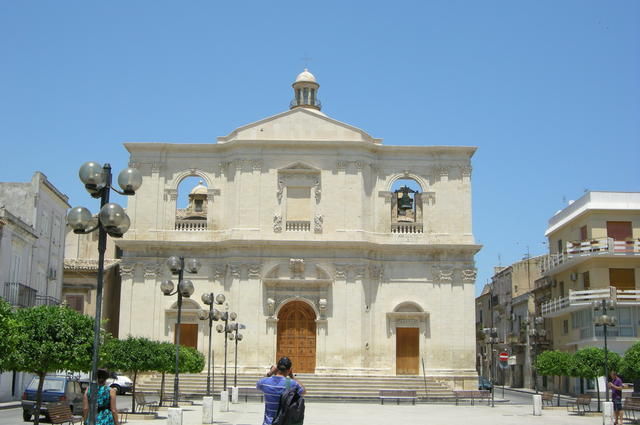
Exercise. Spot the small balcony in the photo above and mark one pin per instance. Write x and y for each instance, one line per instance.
(406, 227)
(577, 251)
(578, 300)
(19, 295)
(191, 225)
(298, 226)
(46, 300)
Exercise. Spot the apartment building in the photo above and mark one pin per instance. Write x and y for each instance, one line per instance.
(594, 255)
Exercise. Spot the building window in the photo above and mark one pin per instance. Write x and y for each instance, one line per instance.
(75, 302)
(560, 246)
(298, 209)
(583, 233)
(586, 280)
(561, 289)
(622, 279)
(619, 230)
(565, 327)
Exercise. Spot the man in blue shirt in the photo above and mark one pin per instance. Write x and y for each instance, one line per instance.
(274, 384)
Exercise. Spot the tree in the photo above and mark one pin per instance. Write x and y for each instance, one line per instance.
(555, 363)
(589, 364)
(190, 360)
(630, 363)
(8, 336)
(51, 338)
(132, 355)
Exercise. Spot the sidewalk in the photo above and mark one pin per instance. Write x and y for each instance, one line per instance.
(375, 414)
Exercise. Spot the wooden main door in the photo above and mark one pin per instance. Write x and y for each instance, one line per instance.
(188, 335)
(407, 349)
(297, 336)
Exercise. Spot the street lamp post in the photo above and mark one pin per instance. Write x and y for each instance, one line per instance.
(237, 337)
(537, 335)
(492, 339)
(112, 221)
(605, 320)
(178, 265)
(226, 329)
(211, 315)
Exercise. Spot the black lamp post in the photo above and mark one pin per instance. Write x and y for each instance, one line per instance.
(226, 329)
(178, 265)
(492, 339)
(112, 221)
(605, 320)
(237, 337)
(537, 335)
(211, 315)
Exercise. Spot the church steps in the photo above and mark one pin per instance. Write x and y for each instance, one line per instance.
(318, 386)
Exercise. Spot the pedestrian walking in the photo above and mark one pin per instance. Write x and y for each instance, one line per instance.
(278, 380)
(106, 412)
(616, 397)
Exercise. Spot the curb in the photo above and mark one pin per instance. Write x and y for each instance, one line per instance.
(9, 405)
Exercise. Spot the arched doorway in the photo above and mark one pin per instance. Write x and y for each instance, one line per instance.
(297, 336)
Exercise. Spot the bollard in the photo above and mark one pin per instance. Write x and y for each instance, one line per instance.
(174, 416)
(607, 413)
(234, 395)
(224, 401)
(207, 410)
(537, 405)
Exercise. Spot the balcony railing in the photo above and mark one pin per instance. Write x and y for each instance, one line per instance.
(298, 226)
(406, 227)
(581, 299)
(46, 300)
(592, 248)
(191, 225)
(304, 102)
(19, 295)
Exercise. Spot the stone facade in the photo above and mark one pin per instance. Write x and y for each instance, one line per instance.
(301, 207)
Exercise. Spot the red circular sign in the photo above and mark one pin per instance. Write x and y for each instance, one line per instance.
(503, 356)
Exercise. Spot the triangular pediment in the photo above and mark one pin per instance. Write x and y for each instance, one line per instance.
(299, 124)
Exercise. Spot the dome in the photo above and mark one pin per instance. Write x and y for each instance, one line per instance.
(200, 189)
(306, 76)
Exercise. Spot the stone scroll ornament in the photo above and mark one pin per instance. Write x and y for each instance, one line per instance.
(277, 223)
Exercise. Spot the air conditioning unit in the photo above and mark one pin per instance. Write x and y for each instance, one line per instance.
(574, 276)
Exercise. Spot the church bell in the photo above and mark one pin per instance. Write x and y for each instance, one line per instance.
(405, 203)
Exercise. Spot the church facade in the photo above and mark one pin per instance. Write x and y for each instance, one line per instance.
(347, 255)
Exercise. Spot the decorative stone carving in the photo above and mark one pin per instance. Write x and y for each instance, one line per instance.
(428, 198)
(151, 270)
(224, 166)
(253, 271)
(442, 171)
(156, 167)
(277, 223)
(317, 223)
(358, 271)
(296, 265)
(127, 269)
(341, 165)
(271, 306)
(280, 190)
(443, 274)
(256, 165)
(341, 271)
(317, 191)
(235, 270)
(376, 271)
(359, 164)
(386, 195)
(465, 170)
(170, 194)
(219, 271)
(322, 307)
(469, 275)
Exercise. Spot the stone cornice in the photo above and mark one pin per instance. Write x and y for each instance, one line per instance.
(85, 265)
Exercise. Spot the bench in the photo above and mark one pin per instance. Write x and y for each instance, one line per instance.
(141, 400)
(59, 413)
(398, 395)
(472, 395)
(168, 397)
(547, 397)
(581, 405)
(247, 392)
(631, 408)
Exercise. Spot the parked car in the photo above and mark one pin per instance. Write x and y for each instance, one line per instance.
(484, 384)
(55, 389)
(120, 382)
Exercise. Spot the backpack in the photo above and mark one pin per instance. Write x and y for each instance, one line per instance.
(290, 408)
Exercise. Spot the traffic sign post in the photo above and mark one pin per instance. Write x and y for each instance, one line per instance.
(503, 356)
(504, 364)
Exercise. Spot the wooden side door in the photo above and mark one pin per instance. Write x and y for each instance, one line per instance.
(297, 336)
(407, 349)
(188, 335)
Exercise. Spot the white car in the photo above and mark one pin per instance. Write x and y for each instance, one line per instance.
(121, 383)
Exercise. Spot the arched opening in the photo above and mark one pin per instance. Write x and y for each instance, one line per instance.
(407, 341)
(191, 205)
(406, 206)
(296, 336)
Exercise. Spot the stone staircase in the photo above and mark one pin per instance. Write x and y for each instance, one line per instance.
(319, 387)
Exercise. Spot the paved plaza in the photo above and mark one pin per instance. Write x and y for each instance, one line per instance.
(318, 413)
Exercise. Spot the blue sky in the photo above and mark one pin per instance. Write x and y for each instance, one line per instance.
(549, 91)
